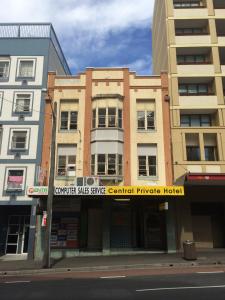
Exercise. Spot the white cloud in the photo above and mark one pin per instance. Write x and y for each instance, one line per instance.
(81, 23)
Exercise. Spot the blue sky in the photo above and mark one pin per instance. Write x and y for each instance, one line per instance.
(93, 33)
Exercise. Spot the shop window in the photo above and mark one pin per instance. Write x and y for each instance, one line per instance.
(15, 179)
(147, 160)
(68, 120)
(66, 160)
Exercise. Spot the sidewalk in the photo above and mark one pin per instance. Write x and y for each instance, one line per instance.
(92, 263)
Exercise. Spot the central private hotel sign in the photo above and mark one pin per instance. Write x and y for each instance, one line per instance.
(108, 191)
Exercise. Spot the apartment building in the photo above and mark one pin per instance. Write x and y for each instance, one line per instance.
(189, 43)
(112, 130)
(27, 53)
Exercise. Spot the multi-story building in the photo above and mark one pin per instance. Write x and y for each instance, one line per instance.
(27, 53)
(113, 128)
(189, 43)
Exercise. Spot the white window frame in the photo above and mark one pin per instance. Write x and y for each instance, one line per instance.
(27, 139)
(68, 120)
(66, 155)
(8, 71)
(15, 105)
(146, 111)
(8, 169)
(26, 60)
(106, 165)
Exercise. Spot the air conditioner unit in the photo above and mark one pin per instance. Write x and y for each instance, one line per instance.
(71, 172)
(87, 181)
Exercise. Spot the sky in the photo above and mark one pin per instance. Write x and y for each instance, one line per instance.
(93, 33)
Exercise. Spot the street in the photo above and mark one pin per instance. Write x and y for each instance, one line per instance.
(205, 285)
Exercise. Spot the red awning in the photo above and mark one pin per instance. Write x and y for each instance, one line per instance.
(205, 179)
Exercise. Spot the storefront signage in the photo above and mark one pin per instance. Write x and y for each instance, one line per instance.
(109, 191)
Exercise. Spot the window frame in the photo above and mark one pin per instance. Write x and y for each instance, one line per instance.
(69, 114)
(146, 166)
(118, 118)
(6, 78)
(145, 114)
(95, 164)
(6, 186)
(25, 59)
(201, 122)
(14, 130)
(16, 94)
(191, 147)
(67, 160)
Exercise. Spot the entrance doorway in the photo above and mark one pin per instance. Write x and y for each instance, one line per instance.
(17, 234)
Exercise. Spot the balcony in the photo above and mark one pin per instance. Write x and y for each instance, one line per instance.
(220, 28)
(187, 8)
(192, 32)
(219, 4)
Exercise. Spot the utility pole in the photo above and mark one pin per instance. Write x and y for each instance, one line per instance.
(47, 250)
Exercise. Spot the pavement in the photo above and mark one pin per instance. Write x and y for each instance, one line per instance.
(114, 262)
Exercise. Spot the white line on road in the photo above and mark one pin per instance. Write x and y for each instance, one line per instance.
(183, 288)
(112, 277)
(21, 281)
(213, 272)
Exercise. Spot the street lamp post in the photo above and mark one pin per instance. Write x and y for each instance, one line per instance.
(47, 250)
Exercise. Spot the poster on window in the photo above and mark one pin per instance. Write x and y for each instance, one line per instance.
(65, 232)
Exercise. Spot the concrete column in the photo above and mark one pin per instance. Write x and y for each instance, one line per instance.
(169, 7)
(210, 7)
(219, 90)
(201, 144)
(212, 30)
(106, 226)
(32, 230)
(174, 91)
(171, 228)
(216, 59)
(39, 239)
(220, 146)
(173, 60)
(171, 32)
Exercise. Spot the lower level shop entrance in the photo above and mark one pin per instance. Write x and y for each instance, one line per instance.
(17, 234)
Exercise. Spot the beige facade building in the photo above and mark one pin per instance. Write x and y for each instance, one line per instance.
(191, 33)
(112, 125)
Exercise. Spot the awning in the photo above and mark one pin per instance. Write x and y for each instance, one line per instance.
(204, 179)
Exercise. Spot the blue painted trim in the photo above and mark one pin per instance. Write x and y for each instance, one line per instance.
(26, 123)
(24, 58)
(21, 151)
(14, 193)
(18, 161)
(16, 202)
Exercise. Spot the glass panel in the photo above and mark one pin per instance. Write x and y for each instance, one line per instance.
(200, 58)
(120, 164)
(152, 165)
(11, 249)
(193, 153)
(64, 120)
(14, 229)
(180, 59)
(112, 117)
(211, 153)
(22, 103)
(15, 179)
(12, 239)
(26, 69)
(150, 120)
(94, 118)
(61, 171)
(142, 166)
(102, 117)
(73, 120)
(111, 164)
(206, 121)
(120, 118)
(19, 140)
(195, 120)
(190, 58)
(192, 89)
(203, 89)
(4, 69)
(141, 119)
(101, 164)
(93, 165)
(183, 89)
(185, 121)
(71, 159)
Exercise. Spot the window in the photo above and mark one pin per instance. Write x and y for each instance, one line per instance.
(4, 69)
(210, 147)
(188, 4)
(107, 164)
(192, 147)
(15, 179)
(147, 160)
(23, 102)
(191, 31)
(110, 117)
(66, 160)
(196, 120)
(194, 89)
(192, 59)
(19, 140)
(68, 120)
(146, 120)
(26, 68)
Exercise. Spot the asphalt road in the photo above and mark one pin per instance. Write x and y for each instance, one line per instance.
(205, 286)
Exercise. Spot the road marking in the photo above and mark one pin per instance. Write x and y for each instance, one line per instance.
(112, 277)
(21, 281)
(183, 288)
(212, 272)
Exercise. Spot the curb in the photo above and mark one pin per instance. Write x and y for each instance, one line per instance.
(110, 268)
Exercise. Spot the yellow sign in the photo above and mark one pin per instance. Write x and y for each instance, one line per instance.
(145, 190)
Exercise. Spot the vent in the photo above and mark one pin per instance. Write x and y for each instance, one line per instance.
(21, 118)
